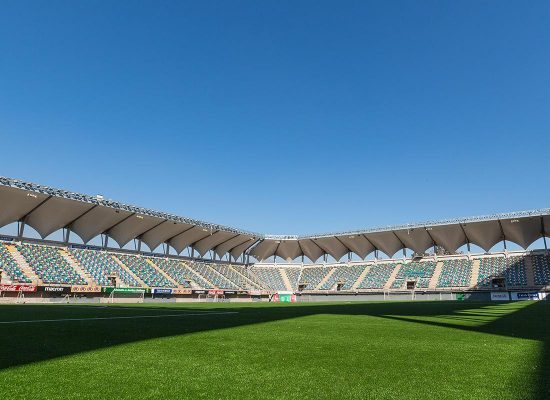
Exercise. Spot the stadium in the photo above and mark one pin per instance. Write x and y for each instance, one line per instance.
(274, 200)
(229, 264)
(186, 276)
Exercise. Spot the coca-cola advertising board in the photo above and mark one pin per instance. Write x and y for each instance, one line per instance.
(18, 288)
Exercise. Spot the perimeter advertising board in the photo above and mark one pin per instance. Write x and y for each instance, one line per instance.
(85, 289)
(284, 297)
(181, 291)
(18, 288)
(165, 291)
(500, 296)
(123, 290)
(527, 296)
(55, 289)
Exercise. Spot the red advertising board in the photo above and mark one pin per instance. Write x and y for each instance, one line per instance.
(18, 288)
(214, 292)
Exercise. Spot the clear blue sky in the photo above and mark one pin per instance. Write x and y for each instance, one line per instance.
(282, 117)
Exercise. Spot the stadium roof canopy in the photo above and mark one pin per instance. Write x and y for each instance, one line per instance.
(48, 210)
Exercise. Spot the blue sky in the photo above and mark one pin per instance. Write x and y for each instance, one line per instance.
(282, 117)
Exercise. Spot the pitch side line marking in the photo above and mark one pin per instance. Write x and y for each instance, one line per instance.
(117, 307)
(111, 318)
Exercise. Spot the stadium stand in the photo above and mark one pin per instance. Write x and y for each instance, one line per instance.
(345, 275)
(424, 269)
(49, 265)
(179, 272)
(250, 275)
(293, 275)
(421, 272)
(11, 268)
(238, 279)
(144, 271)
(511, 268)
(100, 265)
(312, 276)
(515, 273)
(213, 276)
(541, 269)
(377, 276)
(271, 276)
(398, 283)
(455, 273)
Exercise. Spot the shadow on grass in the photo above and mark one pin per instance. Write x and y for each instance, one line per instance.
(23, 343)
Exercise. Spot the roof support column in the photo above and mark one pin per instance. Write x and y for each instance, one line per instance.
(20, 229)
(543, 233)
(503, 235)
(66, 234)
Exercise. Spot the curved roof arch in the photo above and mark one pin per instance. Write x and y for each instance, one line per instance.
(48, 210)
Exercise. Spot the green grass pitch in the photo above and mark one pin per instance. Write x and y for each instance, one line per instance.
(389, 350)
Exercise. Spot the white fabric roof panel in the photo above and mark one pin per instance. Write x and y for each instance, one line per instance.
(265, 249)
(237, 251)
(386, 242)
(546, 225)
(416, 239)
(522, 231)
(332, 246)
(289, 250)
(131, 227)
(211, 241)
(161, 233)
(311, 249)
(47, 210)
(450, 237)
(231, 244)
(16, 203)
(55, 213)
(358, 244)
(188, 237)
(483, 234)
(96, 221)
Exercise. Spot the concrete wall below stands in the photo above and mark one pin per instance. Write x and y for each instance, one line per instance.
(379, 297)
(304, 298)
